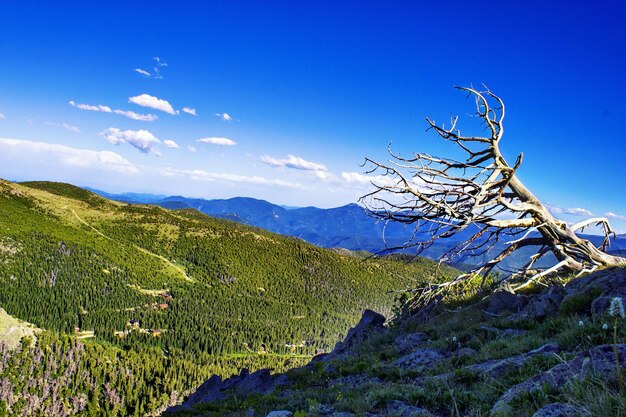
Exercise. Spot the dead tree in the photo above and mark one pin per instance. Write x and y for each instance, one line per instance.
(444, 197)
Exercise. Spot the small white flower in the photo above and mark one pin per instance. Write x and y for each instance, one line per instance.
(616, 309)
(605, 326)
(580, 323)
(454, 339)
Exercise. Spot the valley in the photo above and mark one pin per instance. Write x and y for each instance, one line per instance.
(151, 302)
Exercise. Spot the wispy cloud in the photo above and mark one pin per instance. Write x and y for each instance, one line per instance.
(574, 211)
(156, 69)
(146, 100)
(293, 162)
(190, 111)
(68, 156)
(142, 72)
(2, 116)
(168, 143)
(614, 216)
(218, 141)
(202, 175)
(363, 180)
(107, 109)
(192, 148)
(224, 116)
(64, 125)
(140, 139)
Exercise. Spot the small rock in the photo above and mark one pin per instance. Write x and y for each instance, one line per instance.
(557, 410)
(342, 414)
(406, 343)
(468, 352)
(250, 412)
(402, 409)
(420, 358)
(280, 413)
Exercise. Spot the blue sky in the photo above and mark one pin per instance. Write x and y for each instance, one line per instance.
(289, 97)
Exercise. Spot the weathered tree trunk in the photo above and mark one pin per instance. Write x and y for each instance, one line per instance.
(445, 196)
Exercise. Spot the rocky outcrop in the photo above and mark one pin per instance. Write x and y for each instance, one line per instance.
(599, 360)
(371, 323)
(420, 359)
(214, 389)
(406, 343)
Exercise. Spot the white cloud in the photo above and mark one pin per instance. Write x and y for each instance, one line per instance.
(140, 139)
(362, 179)
(574, 211)
(107, 109)
(146, 100)
(192, 148)
(68, 156)
(202, 175)
(224, 116)
(168, 143)
(99, 107)
(142, 72)
(2, 116)
(218, 141)
(66, 126)
(294, 162)
(615, 216)
(136, 116)
(190, 111)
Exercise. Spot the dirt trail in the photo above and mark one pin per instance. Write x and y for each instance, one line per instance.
(147, 252)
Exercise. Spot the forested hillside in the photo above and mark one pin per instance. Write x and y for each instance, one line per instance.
(162, 299)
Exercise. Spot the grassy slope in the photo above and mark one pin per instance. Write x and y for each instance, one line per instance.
(79, 259)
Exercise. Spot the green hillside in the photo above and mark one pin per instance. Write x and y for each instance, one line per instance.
(155, 300)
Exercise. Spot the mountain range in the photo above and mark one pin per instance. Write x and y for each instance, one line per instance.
(348, 226)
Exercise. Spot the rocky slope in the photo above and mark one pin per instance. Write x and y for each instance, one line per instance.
(547, 353)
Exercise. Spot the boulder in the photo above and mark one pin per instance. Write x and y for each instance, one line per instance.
(598, 360)
(496, 368)
(420, 358)
(610, 282)
(558, 410)
(543, 305)
(503, 302)
(371, 323)
(406, 343)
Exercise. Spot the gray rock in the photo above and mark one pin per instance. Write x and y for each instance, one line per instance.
(496, 368)
(503, 302)
(610, 282)
(557, 410)
(406, 343)
(599, 360)
(542, 305)
(600, 305)
(251, 412)
(342, 414)
(421, 358)
(402, 409)
(468, 352)
(280, 413)
(371, 323)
